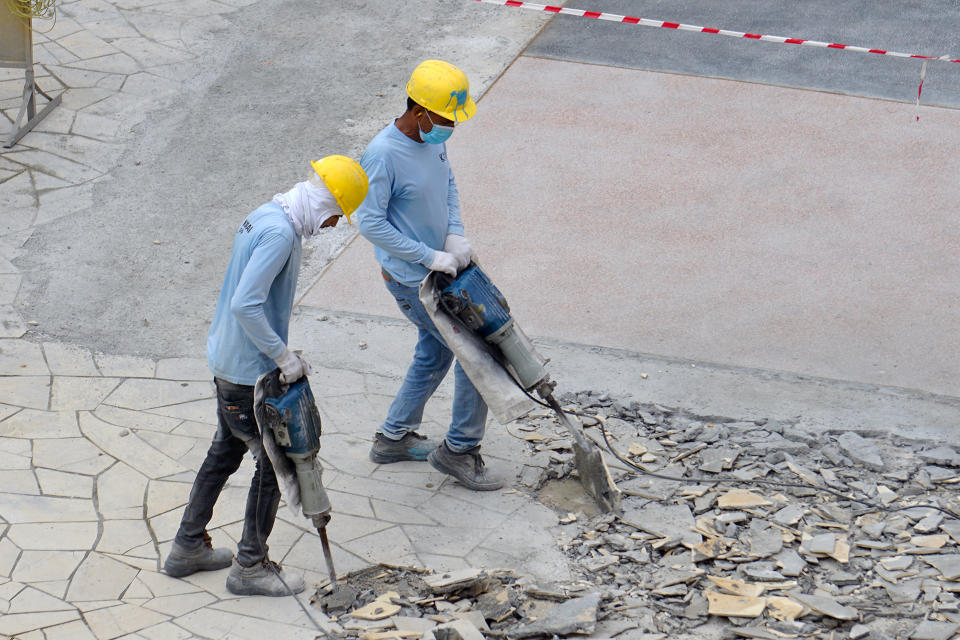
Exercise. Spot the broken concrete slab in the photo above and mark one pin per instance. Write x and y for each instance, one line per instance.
(790, 563)
(947, 564)
(722, 604)
(450, 581)
(931, 630)
(578, 615)
(789, 515)
(826, 606)
(673, 521)
(942, 455)
(861, 450)
(742, 499)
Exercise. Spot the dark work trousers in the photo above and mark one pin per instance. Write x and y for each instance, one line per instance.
(237, 432)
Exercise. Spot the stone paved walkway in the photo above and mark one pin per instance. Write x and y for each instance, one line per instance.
(120, 60)
(98, 453)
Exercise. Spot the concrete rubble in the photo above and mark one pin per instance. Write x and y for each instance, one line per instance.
(834, 550)
(811, 551)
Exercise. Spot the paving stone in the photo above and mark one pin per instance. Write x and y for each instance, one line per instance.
(83, 394)
(120, 492)
(117, 621)
(68, 360)
(197, 411)
(150, 394)
(21, 358)
(184, 369)
(75, 630)
(211, 623)
(124, 536)
(73, 455)
(25, 508)
(67, 485)
(130, 448)
(861, 451)
(32, 392)
(100, 578)
(124, 366)
(19, 481)
(20, 623)
(38, 566)
(30, 600)
(31, 423)
(9, 554)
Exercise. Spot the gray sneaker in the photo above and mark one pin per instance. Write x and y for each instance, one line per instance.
(412, 446)
(467, 467)
(265, 578)
(183, 562)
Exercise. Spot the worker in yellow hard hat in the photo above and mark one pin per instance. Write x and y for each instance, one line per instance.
(412, 217)
(248, 337)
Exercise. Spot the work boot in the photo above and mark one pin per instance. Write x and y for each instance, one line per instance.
(183, 562)
(266, 578)
(412, 446)
(467, 467)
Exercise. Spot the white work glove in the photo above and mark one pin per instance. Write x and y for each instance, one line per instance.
(292, 366)
(460, 248)
(443, 261)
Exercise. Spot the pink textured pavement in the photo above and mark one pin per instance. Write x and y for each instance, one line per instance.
(707, 219)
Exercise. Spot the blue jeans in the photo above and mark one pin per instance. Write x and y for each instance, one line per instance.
(236, 433)
(431, 361)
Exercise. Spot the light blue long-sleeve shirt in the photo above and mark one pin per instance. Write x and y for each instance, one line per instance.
(412, 203)
(249, 328)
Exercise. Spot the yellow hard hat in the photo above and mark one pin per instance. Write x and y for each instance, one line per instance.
(345, 179)
(443, 89)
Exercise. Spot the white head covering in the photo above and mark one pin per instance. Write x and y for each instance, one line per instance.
(308, 205)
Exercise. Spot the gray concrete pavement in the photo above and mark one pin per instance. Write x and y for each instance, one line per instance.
(769, 230)
(928, 28)
(735, 223)
(217, 110)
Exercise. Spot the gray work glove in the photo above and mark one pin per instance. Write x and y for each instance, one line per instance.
(292, 366)
(459, 247)
(443, 261)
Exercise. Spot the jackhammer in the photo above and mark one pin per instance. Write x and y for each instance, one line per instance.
(475, 304)
(290, 426)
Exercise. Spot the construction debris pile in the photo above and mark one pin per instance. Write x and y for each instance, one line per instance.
(763, 561)
(701, 558)
(392, 603)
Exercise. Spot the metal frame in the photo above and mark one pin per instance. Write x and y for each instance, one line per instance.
(30, 91)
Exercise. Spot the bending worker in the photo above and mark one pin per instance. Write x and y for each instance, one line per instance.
(248, 337)
(412, 216)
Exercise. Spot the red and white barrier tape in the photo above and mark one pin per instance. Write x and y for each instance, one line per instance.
(612, 17)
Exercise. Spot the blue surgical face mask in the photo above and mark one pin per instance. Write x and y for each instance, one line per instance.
(438, 134)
